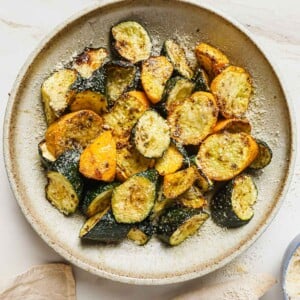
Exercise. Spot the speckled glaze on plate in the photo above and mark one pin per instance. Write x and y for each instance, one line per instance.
(154, 263)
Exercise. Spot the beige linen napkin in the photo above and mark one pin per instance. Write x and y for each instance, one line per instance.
(245, 287)
(42, 282)
(56, 282)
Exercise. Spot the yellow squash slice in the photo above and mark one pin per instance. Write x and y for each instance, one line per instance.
(98, 160)
(211, 59)
(232, 89)
(233, 126)
(177, 183)
(193, 119)
(155, 73)
(222, 156)
(73, 131)
(89, 100)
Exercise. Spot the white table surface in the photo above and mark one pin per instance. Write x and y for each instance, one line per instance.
(275, 24)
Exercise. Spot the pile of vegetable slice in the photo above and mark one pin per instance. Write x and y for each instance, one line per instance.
(136, 142)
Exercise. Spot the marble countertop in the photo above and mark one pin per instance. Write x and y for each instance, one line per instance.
(275, 26)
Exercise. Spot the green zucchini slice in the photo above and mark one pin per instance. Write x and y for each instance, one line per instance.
(97, 198)
(264, 156)
(142, 232)
(131, 41)
(201, 81)
(177, 90)
(57, 93)
(46, 156)
(89, 61)
(65, 184)
(121, 77)
(124, 115)
(95, 83)
(176, 55)
(178, 223)
(232, 205)
(103, 227)
(161, 202)
(151, 135)
(133, 200)
(193, 119)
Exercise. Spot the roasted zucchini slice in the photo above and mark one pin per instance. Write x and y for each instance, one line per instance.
(211, 59)
(184, 152)
(89, 61)
(125, 113)
(98, 160)
(201, 81)
(151, 135)
(160, 206)
(193, 198)
(142, 232)
(65, 185)
(73, 131)
(171, 161)
(177, 183)
(264, 156)
(130, 162)
(161, 202)
(176, 54)
(131, 41)
(97, 198)
(89, 100)
(176, 91)
(103, 227)
(202, 182)
(57, 93)
(222, 156)
(121, 77)
(46, 156)
(233, 126)
(156, 71)
(95, 83)
(133, 200)
(232, 205)
(232, 89)
(178, 223)
(193, 119)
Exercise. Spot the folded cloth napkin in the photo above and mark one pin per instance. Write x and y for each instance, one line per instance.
(56, 282)
(42, 282)
(245, 287)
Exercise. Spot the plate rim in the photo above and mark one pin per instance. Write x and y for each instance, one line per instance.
(69, 256)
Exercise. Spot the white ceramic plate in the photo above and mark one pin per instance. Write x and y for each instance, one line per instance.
(154, 263)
